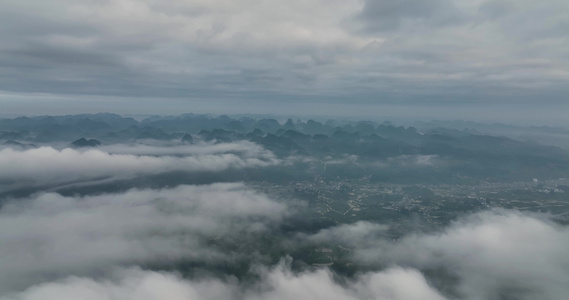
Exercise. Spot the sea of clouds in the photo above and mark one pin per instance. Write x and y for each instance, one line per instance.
(108, 245)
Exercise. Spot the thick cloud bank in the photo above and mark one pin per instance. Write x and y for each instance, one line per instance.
(58, 247)
(51, 235)
(489, 255)
(278, 284)
(47, 165)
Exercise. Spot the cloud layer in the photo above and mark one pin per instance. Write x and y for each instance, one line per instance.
(278, 284)
(369, 50)
(49, 235)
(59, 247)
(487, 255)
(46, 165)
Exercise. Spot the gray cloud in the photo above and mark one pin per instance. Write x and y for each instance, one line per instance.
(49, 236)
(384, 15)
(491, 254)
(316, 51)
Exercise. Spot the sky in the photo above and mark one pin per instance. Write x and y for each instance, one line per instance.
(469, 59)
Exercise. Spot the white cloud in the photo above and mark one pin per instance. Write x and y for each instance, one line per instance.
(51, 235)
(395, 284)
(128, 284)
(277, 284)
(46, 165)
(493, 254)
(487, 255)
(243, 148)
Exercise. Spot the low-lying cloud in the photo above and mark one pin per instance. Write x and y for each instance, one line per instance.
(110, 246)
(47, 165)
(278, 284)
(51, 236)
(490, 255)
(242, 148)
(96, 247)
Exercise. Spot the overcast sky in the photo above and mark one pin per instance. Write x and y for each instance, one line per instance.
(224, 56)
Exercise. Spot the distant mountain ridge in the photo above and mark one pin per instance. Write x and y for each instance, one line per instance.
(465, 151)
